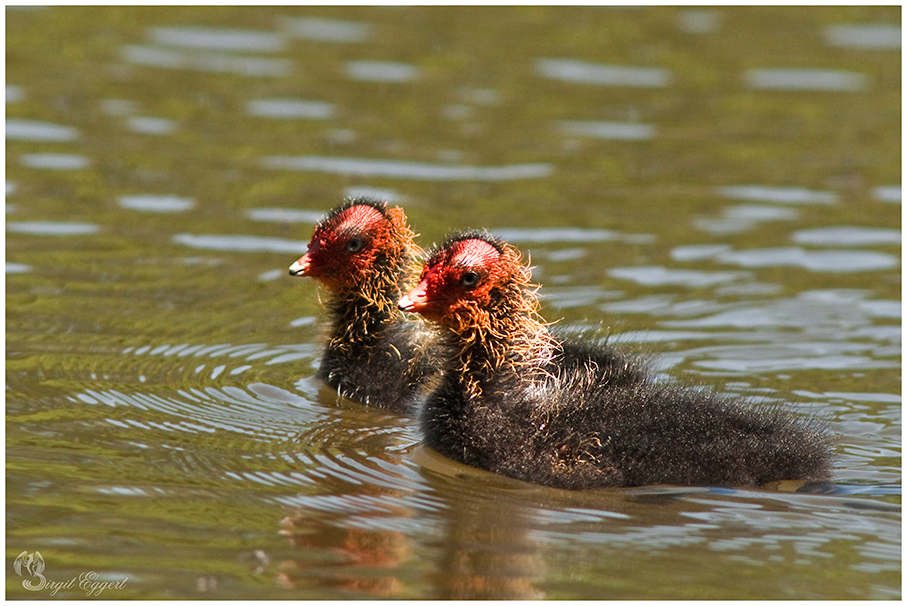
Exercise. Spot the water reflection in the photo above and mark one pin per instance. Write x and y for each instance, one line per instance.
(285, 215)
(362, 560)
(52, 161)
(582, 72)
(619, 131)
(327, 30)
(156, 203)
(792, 356)
(888, 193)
(17, 268)
(165, 58)
(847, 236)
(381, 71)
(119, 107)
(781, 195)
(148, 125)
(735, 219)
(218, 39)
(834, 261)
(870, 36)
(14, 94)
(388, 195)
(495, 535)
(657, 276)
(699, 21)
(36, 130)
(548, 235)
(51, 228)
(290, 109)
(421, 171)
(490, 553)
(806, 79)
(240, 243)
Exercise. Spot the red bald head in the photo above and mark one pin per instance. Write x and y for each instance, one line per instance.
(463, 272)
(353, 243)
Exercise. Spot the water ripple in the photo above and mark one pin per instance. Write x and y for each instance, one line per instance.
(783, 357)
(806, 79)
(52, 161)
(832, 261)
(155, 203)
(161, 397)
(381, 71)
(35, 130)
(52, 228)
(582, 72)
(327, 30)
(285, 215)
(221, 39)
(659, 276)
(618, 131)
(239, 243)
(290, 109)
(888, 193)
(148, 125)
(420, 171)
(744, 217)
(205, 61)
(14, 93)
(847, 236)
(548, 235)
(870, 36)
(781, 195)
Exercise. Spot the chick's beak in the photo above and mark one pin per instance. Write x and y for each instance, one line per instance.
(302, 267)
(415, 300)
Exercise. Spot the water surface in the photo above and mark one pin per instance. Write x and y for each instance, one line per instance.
(716, 188)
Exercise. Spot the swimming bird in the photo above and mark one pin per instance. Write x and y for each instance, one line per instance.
(517, 400)
(362, 252)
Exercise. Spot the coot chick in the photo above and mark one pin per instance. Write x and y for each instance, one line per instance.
(363, 253)
(514, 400)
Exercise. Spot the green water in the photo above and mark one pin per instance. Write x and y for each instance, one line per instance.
(718, 188)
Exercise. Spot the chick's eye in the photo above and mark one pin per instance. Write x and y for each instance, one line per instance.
(470, 279)
(354, 245)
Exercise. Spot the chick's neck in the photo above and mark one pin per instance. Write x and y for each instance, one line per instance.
(362, 309)
(505, 343)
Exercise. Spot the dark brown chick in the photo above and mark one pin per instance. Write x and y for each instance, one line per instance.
(363, 253)
(516, 400)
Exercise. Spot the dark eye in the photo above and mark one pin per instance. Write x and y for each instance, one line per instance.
(354, 245)
(470, 279)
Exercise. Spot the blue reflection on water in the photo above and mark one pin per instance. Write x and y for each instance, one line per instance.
(156, 203)
(778, 194)
(806, 79)
(290, 108)
(239, 243)
(869, 36)
(36, 130)
(583, 72)
(327, 30)
(205, 61)
(422, 171)
(51, 161)
(52, 228)
(381, 71)
(222, 39)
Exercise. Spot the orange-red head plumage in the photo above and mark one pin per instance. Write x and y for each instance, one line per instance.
(360, 242)
(471, 269)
